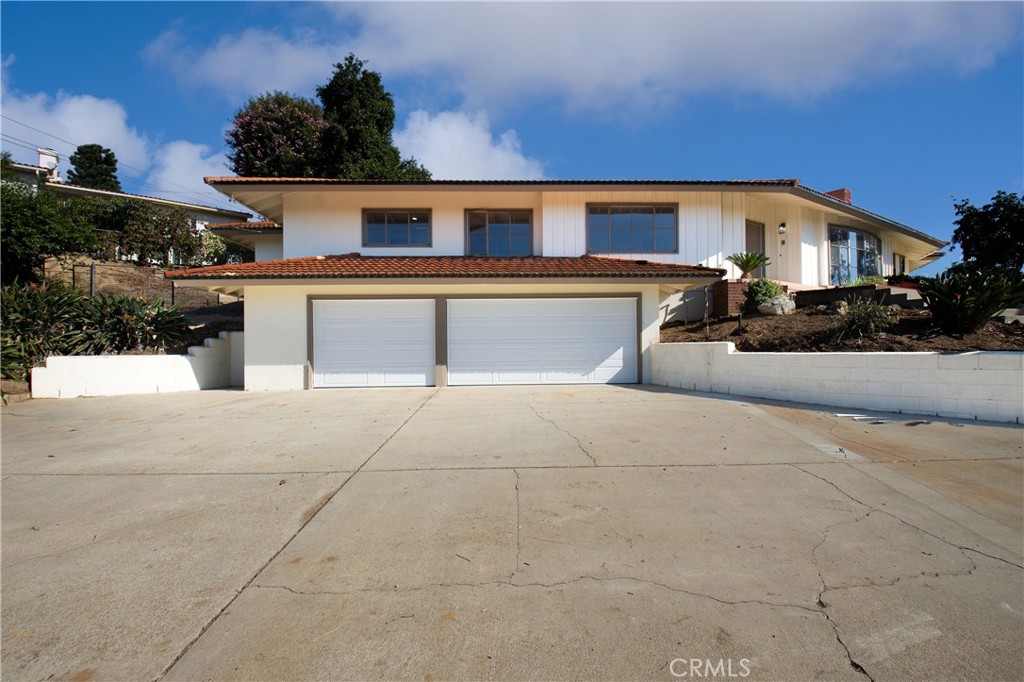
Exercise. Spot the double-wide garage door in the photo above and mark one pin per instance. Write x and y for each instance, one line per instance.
(489, 341)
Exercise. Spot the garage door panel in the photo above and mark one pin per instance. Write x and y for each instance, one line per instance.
(373, 343)
(542, 341)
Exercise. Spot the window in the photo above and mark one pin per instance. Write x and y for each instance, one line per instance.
(396, 228)
(854, 254)
(632, 229)
(499, 233)
(899, 264)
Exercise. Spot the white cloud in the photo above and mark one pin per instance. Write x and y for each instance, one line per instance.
(617, 56)
(173, 170)
(181, 165)
(80, 119)
(457, 146)
(244, 65)
(632, 55)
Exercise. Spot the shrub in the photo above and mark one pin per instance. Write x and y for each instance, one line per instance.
(870, 280)
(748, 261)
(54, 319)
(758, 291)
(864, 318)
(962, 300)
(905, 281)
(37, 321)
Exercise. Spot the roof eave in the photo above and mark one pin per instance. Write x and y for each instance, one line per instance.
(826, 201)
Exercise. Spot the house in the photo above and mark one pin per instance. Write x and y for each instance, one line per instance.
(264, 237)
(46, 173)
(428, 283)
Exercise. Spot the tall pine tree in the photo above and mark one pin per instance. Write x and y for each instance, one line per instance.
(94, 166)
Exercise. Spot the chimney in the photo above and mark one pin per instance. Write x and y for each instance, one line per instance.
(48, 159)
(843, 194)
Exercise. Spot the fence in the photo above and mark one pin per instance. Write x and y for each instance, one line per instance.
(100, 277)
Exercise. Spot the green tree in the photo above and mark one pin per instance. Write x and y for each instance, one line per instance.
(360, 115)
(152, 234)
(35, 225)
(276, 135)
(347, 136)
(94, 166)
(6, 171)
(991, 237)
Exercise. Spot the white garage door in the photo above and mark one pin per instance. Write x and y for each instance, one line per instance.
(542, 341)
(373, 343)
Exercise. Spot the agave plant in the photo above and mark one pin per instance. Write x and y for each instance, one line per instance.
(962, 300)
(748, 261)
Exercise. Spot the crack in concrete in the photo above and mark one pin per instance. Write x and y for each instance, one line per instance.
(529, 585)
(962, 548)
(325, 500)
(579, 443)
(519, 530)
(825, 588)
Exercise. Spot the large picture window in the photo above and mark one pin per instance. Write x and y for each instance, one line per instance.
(499, 233)
(853, 253)
(396, 228)
(632, 228)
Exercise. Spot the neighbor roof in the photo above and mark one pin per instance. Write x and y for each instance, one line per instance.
(356, 266)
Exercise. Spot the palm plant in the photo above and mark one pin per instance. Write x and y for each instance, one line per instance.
(748, 261)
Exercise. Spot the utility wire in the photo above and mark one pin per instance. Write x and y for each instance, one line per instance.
(205, 197)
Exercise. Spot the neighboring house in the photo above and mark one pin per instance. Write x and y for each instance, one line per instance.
(516, 282)
(46, 174)
(264, 237)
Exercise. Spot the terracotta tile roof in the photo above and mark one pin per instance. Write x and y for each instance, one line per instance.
(232, 180)
(355, 266)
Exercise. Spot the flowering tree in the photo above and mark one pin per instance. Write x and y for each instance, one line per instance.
(280, 135)
(276, 135)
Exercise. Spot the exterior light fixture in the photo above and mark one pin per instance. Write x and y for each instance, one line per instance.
(782, 228)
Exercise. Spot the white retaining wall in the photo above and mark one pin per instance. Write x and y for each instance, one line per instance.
(215, 364)
(976, 385)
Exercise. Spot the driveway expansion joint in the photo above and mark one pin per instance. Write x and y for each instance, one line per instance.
(324, 501)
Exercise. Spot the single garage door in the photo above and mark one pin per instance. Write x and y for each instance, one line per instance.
(542, 341)
(373, 343)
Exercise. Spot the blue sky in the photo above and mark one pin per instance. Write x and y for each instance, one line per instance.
(911, 105)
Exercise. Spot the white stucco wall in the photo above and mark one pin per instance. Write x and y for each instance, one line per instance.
(216, 364)
(276, 319)
(269, 247)
(326, 223)
(711, 226)
(978, 385)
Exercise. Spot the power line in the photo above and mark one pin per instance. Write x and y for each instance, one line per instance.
(187, 191)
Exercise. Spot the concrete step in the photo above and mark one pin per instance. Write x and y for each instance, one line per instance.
(1012, 315)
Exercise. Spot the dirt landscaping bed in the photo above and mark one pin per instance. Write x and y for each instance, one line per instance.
(812, 330)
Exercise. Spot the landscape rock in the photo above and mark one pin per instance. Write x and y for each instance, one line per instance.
(778, 305)
(839, 307)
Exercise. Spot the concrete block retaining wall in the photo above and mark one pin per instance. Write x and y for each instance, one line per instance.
(976, 385)
(215, 364)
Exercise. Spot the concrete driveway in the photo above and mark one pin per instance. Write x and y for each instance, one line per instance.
(505, 533)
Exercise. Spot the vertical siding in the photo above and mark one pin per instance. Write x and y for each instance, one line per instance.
(699, 217)
(810, 246)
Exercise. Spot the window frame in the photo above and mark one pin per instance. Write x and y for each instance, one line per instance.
(634, 204)
(852, 251)
(488, 212)
(430, 229)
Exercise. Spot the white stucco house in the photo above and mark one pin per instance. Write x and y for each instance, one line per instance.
(377, 283)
